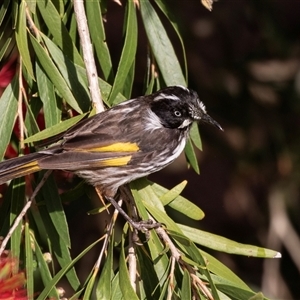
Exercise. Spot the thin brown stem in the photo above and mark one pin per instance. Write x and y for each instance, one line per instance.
(23, 212)
(88, 55)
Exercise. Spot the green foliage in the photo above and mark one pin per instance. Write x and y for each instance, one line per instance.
(53, 70)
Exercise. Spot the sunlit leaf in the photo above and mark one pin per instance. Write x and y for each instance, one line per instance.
(191, 156)
(173, 193)
(21, 39)
(128, 52)
(17, 204)
(161, 46)
(186, 286)
(63, 271)
(8, 108)
(54, 75)
(104, 286)
(58, 30)
(220, 243)
(94, 15)
(29, 260)
(54, 130)
(52, 111)
(180, 203)
(125, 285)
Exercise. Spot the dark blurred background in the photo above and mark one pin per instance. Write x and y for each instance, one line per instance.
(244, 62)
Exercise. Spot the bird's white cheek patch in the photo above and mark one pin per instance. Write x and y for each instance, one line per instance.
(185, 123)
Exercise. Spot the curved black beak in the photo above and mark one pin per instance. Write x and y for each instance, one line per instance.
(209, 120)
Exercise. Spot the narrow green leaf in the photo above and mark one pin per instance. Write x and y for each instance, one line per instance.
(14, 13)
(220, 243)
(128, 52)
(173, 193)
(156, 248)
(76, 81)
(33, 109)
(161, 46)
(180, 237)
(54, 130)
(73, 29)
(146, 193)
(128, 84)
(43, 295)
(44, 271)
(191, 156)
(31, 5)
(94, 16)
(90, 286)
(161, 217)
(52, 111)
(53, 74)
(55, 209)
(58, 245)
(29, 263)
(21, 39)
(3, 10)
(116, 291)
(195, 136)
(180, 203)
(193, 253)
(4, 48)
(61, 35)
(186, 286)
(257, 296)
(104, 286)
(125, 285)
(216, 267)
(17, 204)
(148, 277)
(235, 292)
(164, 289)
(8, 108)
(173, 20)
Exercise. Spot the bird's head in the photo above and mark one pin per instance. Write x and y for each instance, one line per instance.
(179, 107)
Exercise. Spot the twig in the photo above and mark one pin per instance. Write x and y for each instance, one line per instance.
(20, 103)
(88, 56)
(166, 239)
(132, 263)
(33, 29)
(23, 212)
(126, 195)
(197, 282)
(171, 276)
(107, 236)
(175, 256)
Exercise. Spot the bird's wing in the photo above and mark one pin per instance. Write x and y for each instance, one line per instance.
(99, 141)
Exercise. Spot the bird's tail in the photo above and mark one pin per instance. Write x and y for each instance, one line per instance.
(19, 166)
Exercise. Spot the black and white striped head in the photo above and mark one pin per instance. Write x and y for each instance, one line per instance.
(179, 107)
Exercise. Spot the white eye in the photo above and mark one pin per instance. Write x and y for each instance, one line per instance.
(177, 113)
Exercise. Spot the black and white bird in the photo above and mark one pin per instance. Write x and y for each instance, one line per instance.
(131, 140)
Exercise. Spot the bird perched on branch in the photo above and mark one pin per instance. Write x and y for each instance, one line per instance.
(131, 140)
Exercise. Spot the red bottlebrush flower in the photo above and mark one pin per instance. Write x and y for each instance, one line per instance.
(8, 71)
(11, 285)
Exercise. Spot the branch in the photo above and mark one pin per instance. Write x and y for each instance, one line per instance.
(132, 263)
(88, 55)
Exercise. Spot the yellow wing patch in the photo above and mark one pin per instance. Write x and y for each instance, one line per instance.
(115, 162)
(117, 147)
(27, 169)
